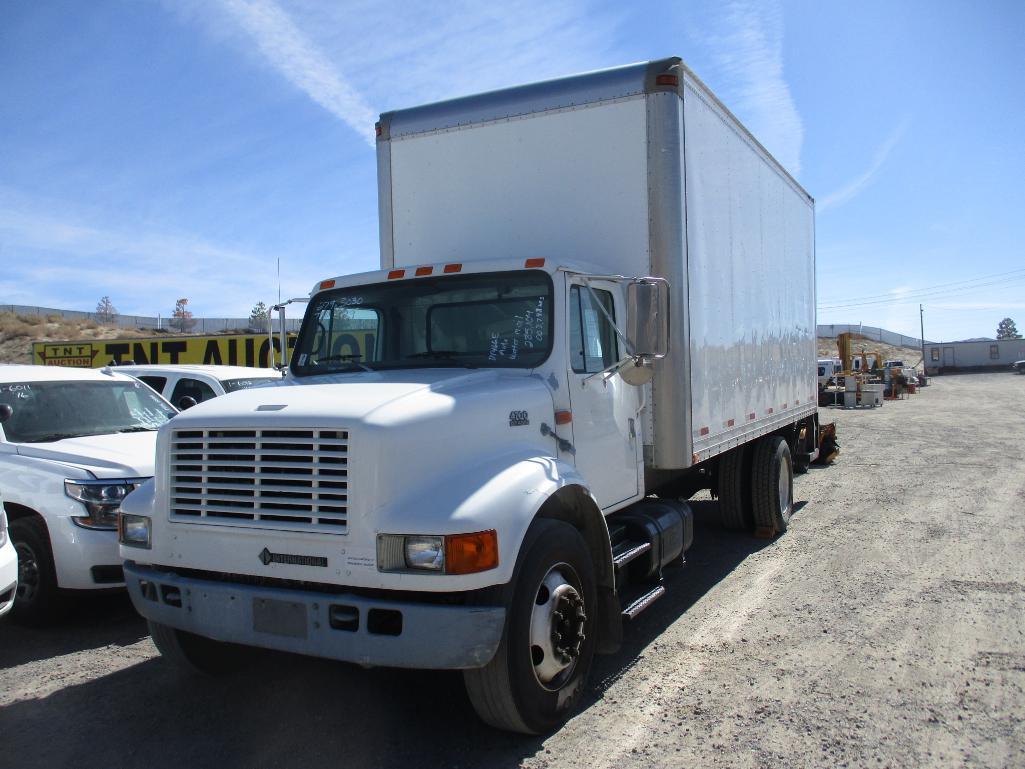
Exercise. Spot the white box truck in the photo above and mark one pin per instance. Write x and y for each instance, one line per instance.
(596, 297)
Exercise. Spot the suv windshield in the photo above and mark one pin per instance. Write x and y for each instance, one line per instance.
(231, 385)
(483, 320)
(51, 411)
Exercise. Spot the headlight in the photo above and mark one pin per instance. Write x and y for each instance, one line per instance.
(451, 554)
(134, 530)
(3, 526)
(101, 498)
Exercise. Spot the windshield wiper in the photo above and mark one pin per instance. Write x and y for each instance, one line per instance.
(352, 358)
(136, 429)
(434, 354)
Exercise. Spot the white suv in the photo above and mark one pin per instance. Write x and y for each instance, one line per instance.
(199, 382)
(73, 444)
(8, 565)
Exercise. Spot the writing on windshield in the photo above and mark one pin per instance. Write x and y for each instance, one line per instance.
(472, 320)
(50, 411)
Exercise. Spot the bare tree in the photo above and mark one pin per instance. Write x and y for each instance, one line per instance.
(106, 312)
(181, 318)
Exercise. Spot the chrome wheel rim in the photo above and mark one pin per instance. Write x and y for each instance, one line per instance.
(557, 626)
(784, 486)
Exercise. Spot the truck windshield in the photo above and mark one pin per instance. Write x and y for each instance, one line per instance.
(479, 320)
(51, 411)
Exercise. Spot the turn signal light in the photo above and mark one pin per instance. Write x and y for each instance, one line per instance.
(470, 553)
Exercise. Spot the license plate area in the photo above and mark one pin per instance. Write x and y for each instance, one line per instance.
(280, 618)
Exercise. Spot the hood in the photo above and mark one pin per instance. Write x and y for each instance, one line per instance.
(369, 398)
(119, 455)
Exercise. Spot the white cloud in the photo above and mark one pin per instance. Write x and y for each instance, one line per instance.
(60, 254)
(350, 56)
(749, 59)
(862, 181)
(289, 51)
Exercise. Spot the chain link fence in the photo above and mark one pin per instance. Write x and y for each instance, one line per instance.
(198, 325)
(877, 334)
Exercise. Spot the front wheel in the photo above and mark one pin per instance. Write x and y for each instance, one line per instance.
(536, 678)
(196, 654)
(37, 600)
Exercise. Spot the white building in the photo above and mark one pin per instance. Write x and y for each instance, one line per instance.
(945, 357)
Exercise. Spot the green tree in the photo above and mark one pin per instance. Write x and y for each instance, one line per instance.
(258, 317)
(1007, 330)
(106, 312)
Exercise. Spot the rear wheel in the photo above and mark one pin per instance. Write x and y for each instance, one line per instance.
(194, 653)
(734, 489)
(38, 598)
(772, 485)
(537, 676)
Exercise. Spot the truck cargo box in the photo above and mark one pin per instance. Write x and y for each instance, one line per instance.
(639, 171)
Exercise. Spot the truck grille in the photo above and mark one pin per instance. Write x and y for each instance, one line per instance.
(294, 480)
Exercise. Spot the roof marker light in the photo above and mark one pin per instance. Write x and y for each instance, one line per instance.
(327, 284)
(534, 263)
(424, 271)
(672, 80)
(396, 274)
(449, 268)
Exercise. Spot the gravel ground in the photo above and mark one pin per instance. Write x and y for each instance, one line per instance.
(886, 628)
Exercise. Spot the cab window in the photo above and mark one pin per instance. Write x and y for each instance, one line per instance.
(593, 344)
(192, 388)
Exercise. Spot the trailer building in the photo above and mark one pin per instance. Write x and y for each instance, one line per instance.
(995, 354)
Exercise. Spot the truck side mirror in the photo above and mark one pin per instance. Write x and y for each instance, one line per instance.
(647, 318)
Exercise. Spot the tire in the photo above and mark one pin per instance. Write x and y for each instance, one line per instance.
(195, 654)
(532, 685)
(772, 485)
(38, 598)
(734, 488)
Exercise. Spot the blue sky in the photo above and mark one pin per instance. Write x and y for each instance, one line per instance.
(152, 150)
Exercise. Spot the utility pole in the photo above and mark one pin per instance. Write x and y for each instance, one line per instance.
(921, 326)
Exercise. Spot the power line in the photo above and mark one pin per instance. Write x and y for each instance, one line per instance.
(914, 297)
(957, 283)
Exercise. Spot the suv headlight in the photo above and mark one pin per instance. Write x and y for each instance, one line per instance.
(102, 500)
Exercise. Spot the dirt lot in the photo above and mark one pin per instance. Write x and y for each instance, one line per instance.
(886, 628)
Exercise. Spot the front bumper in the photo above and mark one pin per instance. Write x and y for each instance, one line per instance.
(350, 628)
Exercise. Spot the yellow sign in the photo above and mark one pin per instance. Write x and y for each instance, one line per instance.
(230, 350)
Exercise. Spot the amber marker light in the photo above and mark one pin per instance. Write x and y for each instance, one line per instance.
(530, 263)
(563, 417)
(421, 271)
(470, 553)
(326, 284)
(450, 268)
(396, 274)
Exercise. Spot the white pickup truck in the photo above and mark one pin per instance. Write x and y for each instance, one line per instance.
(73, 444)
(198, 382)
